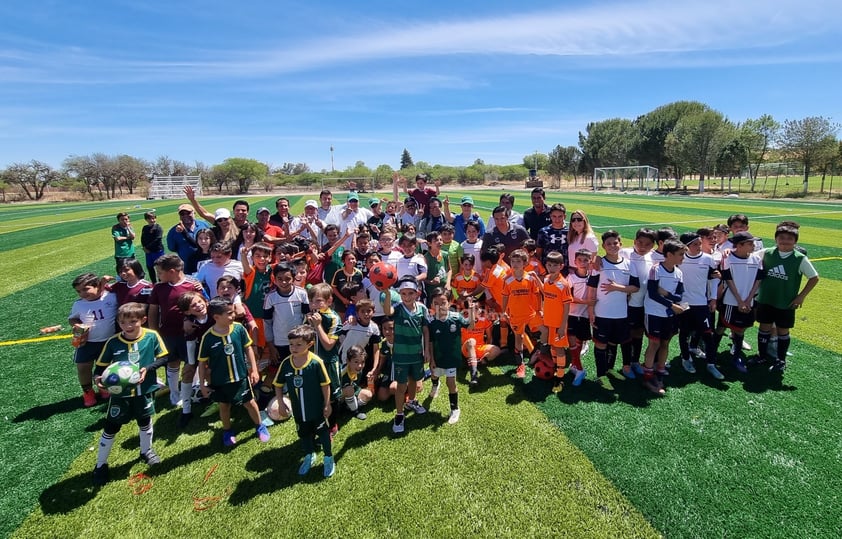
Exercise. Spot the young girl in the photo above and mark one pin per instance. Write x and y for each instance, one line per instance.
(580, 236)
(354, 396)
(472, 245)
(133, 287)
(204, 239)
(196, 323)
(348, 273)
(248, 236)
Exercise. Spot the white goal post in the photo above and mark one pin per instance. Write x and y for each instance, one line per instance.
(629, 177)
(173, 186)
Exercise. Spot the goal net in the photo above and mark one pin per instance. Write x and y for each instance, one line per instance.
(626, 178)
(173, 186)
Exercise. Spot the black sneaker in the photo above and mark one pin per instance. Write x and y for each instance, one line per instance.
(474, 379)
(778, 366)
(100, 475)
(150, 457)
(184, 419)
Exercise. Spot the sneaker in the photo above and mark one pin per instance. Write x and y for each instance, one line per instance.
(262, 433)
(89, 398)
(715, 372)
(615, 375)
(307, 463)
(104, 395)
(778, 366)
(100, 474)
(397, 428)
(662, 372)
(638, 370)
(521, 371)
(698, 353)
(688, 366)
(228, 439)
(585, 349)
(558, 385)
(184, 419)
(739, 365)
(605, 383)
(628, 372)
(434, 391)
(361, 416)
(151, 458)
(416, 407)
(454, 416)
(652, 385)
(579, 376)
(474, 379)
(330, 467)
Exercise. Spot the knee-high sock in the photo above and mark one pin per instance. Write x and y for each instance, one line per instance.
(576, 356)
(783, 347)
(172, 383)
(763, 338)
(105, 443)
(601, 358)
(186, 400)
(146, 437)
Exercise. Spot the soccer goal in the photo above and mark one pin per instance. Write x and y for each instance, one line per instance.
(173, 186)
(641, 177)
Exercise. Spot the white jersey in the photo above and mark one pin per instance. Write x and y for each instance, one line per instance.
(743, 272)
(373, 294)
(671, 281)
(612, 304)
(579, 290)
(210, 273)
(100, 315)
(697, 286)
(287, 312)
(357, 335)
(472, 249)
(411, 265)
(641, 265)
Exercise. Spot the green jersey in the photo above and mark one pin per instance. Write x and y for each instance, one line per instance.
(446, 337)
(304, 385)
(781, 278)
(225, 355)
(453, 251)
(437, 266)
(147, 350)
(332, 326)
(409, 343)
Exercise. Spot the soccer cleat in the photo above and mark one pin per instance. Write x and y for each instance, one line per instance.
(100, 475)
(151, 458)
(558, 385)
(615, 375)
(605, 383)
(454, 416)
(416, 407)
(579, 376)
(330, 467)
(739, 365)
(474, 379)
(104, 395)
(652, 385)
(398, 428)
(778, 366)
(89, 398)
(184, 419)
(628, 372)
(698, 353)
(434, 391)
(688, 366)
(715, 372)
(228, 439)
(361, 416)
(262, 433)
(307, 463)
(521, 371)
(638, 370)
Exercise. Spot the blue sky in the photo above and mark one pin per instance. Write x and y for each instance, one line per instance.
(450, 81)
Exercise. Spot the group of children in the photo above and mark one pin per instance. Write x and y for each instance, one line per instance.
(311, 326)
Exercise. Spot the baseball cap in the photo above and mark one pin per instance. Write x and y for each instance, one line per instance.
(741, 237)
(263, 209)
(312, 204)
(185, 207)
(410, 200)
(467, 200)
(353, 196)
(404, 285)
(373, 201)
(221, 213)
(689, 237)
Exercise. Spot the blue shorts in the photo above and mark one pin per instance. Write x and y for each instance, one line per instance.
(88, 352)
(611, 330)
(661, 327)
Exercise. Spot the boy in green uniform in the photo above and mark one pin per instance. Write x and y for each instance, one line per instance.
(227, 365)
(445, 346)
(411, 332)
(327, 325)
(308, 388)
(144, 348)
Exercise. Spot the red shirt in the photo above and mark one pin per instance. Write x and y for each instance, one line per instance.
(165, 296)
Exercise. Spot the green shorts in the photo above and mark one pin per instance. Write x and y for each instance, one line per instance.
(233, 393)
(412, 370)
(121, 410)
(333, 372)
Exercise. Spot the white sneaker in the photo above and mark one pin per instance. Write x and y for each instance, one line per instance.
(688, 366)
(434, 391)
(698, 353)
(398, 428)
(454, 416)
(416, 407)
(715, 372)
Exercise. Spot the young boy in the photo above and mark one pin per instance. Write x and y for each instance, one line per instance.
(641, 257)
(411, 333)
(520, 292)
(535, 265)
(151, 239)
(362, 332)
(284, 308)
(385, 379)
(451, 249)
(226, 359)
(556, 308)
(578, 323)
(257, 283)
(466, 283)
(609, 288)
(438, 266)
(221, 264)
(476, 340)
(410, 264)
(196, 323)
(665, 288)
(123, 236)
(144, 348)
(355, 397)
(92, 318)
(778, 295)
(304, 376)
(445, 347)
(327, 325)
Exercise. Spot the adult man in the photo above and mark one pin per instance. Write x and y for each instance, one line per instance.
(271, 233)
(507, 200)
(553, 237)
(281, 218)
(181, 239)
(511, 236)
(460, 220)
(240, 209)
(434, 219)
(326, 206)
(351, 217)
(538, 216)
(422, 194)
(308, 223)
(410, 215)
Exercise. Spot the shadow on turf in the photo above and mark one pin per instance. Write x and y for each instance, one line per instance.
(74, 492)
(42, 412)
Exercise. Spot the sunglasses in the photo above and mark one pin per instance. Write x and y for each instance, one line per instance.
(185, 212)
(222, 219)
(576, 219)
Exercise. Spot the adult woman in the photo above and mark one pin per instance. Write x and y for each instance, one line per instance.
(580, 235)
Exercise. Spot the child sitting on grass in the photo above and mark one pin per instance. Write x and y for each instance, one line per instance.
(354, 396)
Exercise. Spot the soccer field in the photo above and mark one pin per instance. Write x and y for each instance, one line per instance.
(752, 456)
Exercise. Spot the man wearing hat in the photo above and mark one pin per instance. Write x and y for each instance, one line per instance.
(351, 217)
(181, 239)
(460, 220)
(308, 223)
(240, 209)
(271, 233)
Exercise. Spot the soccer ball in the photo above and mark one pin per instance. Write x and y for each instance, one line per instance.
(117, 377)
(274, 412)
(383, 275)
(544, 367)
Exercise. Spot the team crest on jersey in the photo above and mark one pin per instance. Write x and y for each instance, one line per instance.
(229, 349)
(297, 381)
(453, 328)
(114, 411)
(134, 356)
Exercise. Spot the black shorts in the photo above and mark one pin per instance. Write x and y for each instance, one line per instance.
(121, 410)
(782, 318)
(233, 393)
(579, 327)
(730, 316)
(661, 327)
(636, 317)
(611, 330)
(697, 318)
(176, 347)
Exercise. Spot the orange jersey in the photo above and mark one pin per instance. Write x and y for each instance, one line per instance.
(465, 285)
(536, 267)
(493, 280)
(478, 332)
(556, 295)
(521, 294)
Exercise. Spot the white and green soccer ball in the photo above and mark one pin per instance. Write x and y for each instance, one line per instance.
(119, 376)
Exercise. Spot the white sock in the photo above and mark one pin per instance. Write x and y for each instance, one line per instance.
(352, 403)
(145, 438)
(105, 443)
(186, 400)
(172, 383)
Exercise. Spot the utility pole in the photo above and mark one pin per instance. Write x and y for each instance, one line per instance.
(332, 170)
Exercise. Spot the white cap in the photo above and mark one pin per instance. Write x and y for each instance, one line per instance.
(221, 213)
(311, 204)
(408, 285)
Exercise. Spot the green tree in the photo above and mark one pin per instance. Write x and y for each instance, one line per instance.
(808, 141)
(696, 142)
(33, 177)
(653, 128)
(732, 159)
(563, 160)
(607, 143)
(243, 172)
(406, 159)
(132, 172)
(537, 160)
(757, 136)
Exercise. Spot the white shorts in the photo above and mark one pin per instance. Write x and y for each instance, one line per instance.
(448, 373)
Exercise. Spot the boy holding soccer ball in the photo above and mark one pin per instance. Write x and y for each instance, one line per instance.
(144, 348)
